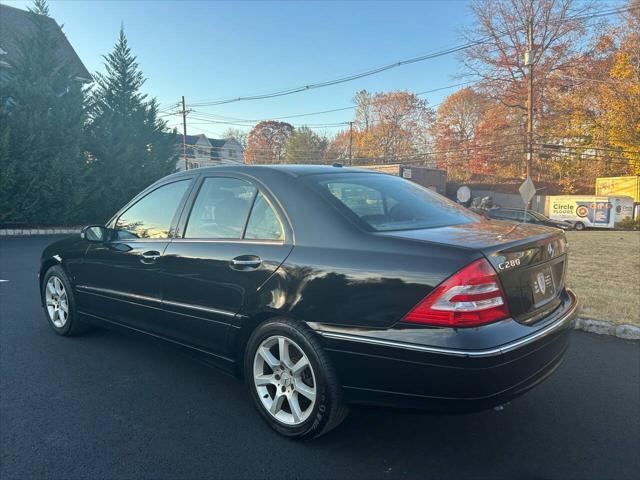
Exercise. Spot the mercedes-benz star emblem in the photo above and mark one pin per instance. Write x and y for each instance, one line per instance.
(542, 285)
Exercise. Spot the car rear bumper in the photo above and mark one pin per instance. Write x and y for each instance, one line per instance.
(448, 369)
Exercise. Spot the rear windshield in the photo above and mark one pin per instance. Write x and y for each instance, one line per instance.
(384, 202)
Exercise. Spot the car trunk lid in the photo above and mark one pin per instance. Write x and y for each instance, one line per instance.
(530, 260)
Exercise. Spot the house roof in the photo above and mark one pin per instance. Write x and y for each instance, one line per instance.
(16, 23)
(215, 143)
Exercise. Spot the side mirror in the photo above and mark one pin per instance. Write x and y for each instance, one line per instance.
(96, 233)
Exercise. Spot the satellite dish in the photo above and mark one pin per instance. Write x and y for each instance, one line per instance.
(463, 194)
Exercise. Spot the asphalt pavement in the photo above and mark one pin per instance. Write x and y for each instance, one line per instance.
(105, 405)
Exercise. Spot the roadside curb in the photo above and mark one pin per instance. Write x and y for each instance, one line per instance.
(27, 232)
(628, 332)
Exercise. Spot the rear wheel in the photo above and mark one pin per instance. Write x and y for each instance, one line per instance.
(579, 226)
(59, 303)
(291, 380)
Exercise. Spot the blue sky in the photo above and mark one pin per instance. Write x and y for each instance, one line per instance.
(215, 50)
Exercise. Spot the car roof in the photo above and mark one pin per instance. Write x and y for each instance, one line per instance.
(288, 169)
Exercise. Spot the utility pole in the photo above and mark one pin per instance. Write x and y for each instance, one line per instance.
(184, 134)
(350, 142)
(528, 61)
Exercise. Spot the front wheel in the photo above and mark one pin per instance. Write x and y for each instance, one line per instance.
(291, 380)
(59, 303)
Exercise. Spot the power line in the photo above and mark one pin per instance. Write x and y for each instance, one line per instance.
(245, 124)
(552, 146)
(248, 123)
(351, 107)
(347, 78)
(241, 121)
(376, 70)
(383, 68)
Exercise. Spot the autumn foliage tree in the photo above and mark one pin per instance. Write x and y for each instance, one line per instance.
(455, 132)
(499, 37)
(338, 148)
(388, 126)
(267, 141)
(594, 128)
(305, 146)
(622, 93)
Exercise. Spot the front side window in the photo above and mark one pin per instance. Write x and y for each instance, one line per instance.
(263, 223)
(151, 216)
(385, 202)
(220, 209)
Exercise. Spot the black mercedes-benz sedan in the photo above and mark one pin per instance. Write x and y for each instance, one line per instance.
(323, 287)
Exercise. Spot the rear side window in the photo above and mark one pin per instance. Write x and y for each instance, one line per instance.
(500, 214)
(510, 215)
(385, 203)
(220, 209)
(151, 216)
(263, 222)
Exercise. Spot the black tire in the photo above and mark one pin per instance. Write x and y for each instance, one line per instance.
(72, 326)
(579, 226)
(329, 410)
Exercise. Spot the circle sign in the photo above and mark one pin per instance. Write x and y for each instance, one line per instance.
(463, 194)
(582, 211)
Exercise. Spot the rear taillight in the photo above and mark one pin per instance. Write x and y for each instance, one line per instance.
(471, 297)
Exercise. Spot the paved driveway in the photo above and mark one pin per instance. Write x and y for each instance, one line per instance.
(109, 406)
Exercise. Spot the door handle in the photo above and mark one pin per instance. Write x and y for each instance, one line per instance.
(245, 262)
(150, 256)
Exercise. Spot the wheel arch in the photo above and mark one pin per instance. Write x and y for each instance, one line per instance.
(249, 325)
(44, 267)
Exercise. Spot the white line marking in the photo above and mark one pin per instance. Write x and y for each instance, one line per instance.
(3, 280)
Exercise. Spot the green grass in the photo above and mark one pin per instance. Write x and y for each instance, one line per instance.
(604, 271)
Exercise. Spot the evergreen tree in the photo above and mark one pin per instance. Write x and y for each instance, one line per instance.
(127, 142)
(41, 129)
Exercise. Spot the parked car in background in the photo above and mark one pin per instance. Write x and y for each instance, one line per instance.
(527, 216)
(323, 287)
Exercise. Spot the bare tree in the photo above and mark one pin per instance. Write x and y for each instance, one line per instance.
(499, 34)
(238, 135)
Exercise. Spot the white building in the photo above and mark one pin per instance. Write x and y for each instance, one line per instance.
(208, 152)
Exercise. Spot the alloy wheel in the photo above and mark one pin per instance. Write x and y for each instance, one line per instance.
(57, 301)
(284, 380)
